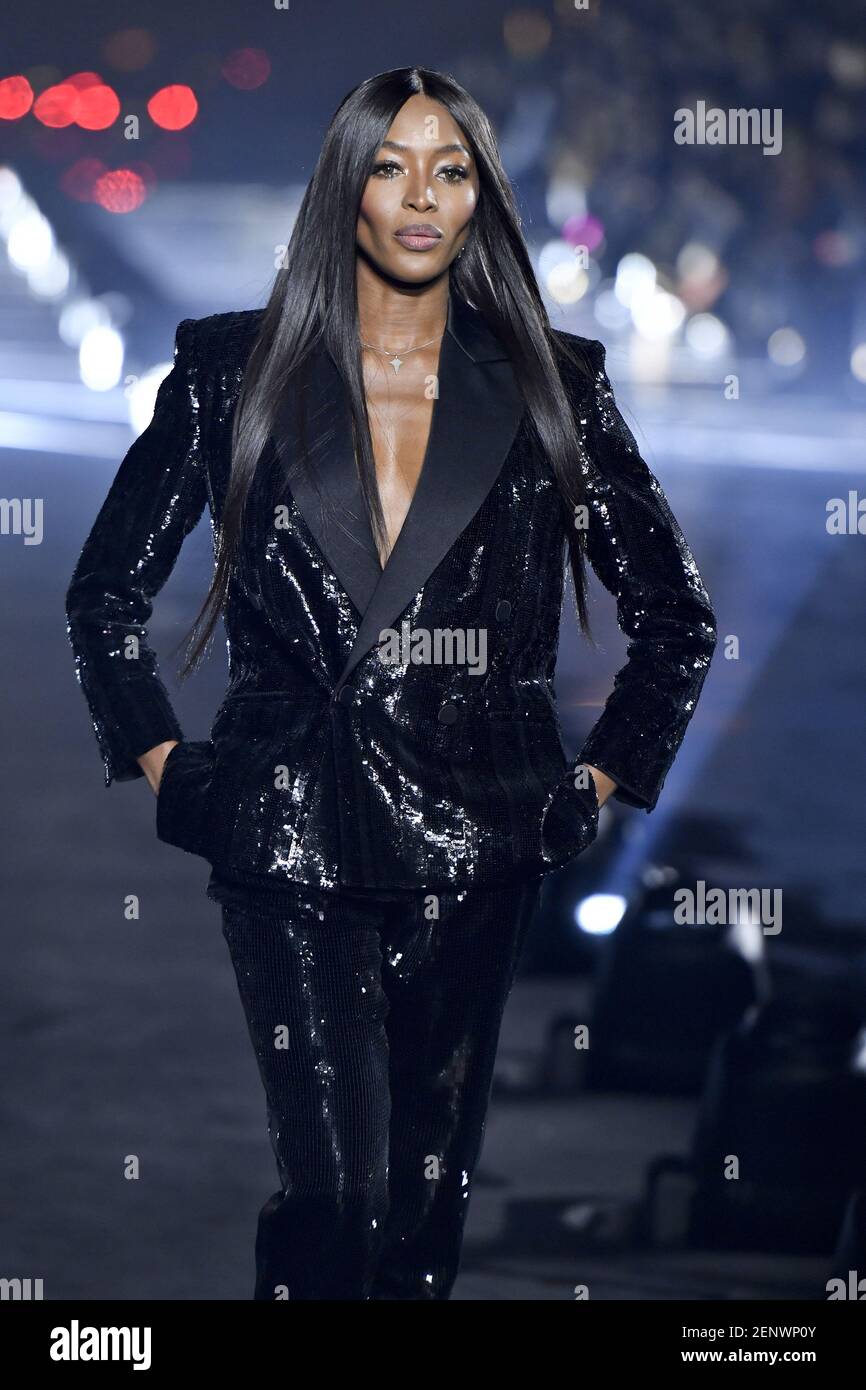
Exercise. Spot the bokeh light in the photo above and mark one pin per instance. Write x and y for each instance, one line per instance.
(553, 253)
(635, 276)
(80, 179)
(834, 248)
(609, 311)
(119, 190)
(98, 107)
(100, 358)
(701, 276)
(567, 282)
(657, 314)
(30, 240)
(16, 98)
(600, 913)
(173, 108)
(786, 347)
(527, 33)
(83, 81)
(56, 106)
(707, 336)
(130, 50)
(51, 279)
(584, 231)
(858, 362)
(78, 316)
(566, 193)
(141, 396)
(247, 68)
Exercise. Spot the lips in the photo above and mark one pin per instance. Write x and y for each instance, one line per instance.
(419, 236)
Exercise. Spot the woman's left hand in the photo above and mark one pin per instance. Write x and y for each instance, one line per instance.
(604, 785)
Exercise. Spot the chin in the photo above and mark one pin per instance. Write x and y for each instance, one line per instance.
(414, 269)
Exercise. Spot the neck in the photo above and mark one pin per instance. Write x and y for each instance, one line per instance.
(398, 316)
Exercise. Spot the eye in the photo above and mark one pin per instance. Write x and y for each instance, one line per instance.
(455, 173)
(386, 168)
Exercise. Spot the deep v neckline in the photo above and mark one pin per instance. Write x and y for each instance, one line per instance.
(475, 420)
(422, 473)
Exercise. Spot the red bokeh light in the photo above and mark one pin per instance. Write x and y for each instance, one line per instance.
(82, 99)
(173, 108)
(247, 68)
(81, 81)
(80, 179)
(98, 107)
(16, 98)
(119, 190)
(56, 106)
(146, 172)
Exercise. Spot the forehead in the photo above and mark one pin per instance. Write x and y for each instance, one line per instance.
(422, 123)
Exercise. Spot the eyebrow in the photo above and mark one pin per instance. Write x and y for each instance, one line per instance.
(456, 148)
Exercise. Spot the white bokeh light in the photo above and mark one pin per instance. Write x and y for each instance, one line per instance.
(786, 347)
(600, 913)
(657, 314)
(78, 316)
(52, 278)
(141, 396)
(635, 277)
(567, 282)
(858, 362)
(100, 358)
(31, 241)
(707, 336)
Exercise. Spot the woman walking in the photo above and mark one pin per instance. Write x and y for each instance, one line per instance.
(399, 455)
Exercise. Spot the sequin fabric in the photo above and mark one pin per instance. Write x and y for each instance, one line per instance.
(415, 776)
(375, 1022)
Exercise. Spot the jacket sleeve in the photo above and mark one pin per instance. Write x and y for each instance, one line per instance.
(639, 553)
(155, 500)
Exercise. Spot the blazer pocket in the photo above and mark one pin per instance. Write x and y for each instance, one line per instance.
(269, 748)
(182, 801)
(569, 823)
(507, 757)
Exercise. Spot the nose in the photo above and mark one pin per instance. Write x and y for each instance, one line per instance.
(419, 197)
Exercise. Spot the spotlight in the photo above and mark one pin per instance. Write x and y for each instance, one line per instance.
(600, 913)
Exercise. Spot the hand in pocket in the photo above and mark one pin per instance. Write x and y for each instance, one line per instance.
(569, 823)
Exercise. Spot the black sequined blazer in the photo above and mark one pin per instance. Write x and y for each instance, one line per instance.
(327, 764)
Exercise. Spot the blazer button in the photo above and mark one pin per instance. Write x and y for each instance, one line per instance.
(447, 714)
(346, 695)
(503, 610)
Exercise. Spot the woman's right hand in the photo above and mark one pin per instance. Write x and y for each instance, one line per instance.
(153, 761)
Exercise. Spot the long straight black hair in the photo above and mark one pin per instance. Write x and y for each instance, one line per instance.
(314, 299)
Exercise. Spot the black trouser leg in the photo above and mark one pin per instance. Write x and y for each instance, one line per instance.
(310, 984)
(447, 983)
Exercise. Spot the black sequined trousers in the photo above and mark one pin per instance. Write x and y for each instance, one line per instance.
(375, 1020)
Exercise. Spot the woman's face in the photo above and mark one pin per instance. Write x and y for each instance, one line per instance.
(418, 203)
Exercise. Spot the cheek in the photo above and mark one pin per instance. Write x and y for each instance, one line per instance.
(374, 211)
(465, 202)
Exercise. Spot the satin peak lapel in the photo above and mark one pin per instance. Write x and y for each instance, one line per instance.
(328, 493)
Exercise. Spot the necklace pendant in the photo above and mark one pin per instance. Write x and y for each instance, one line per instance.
(396, 364)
